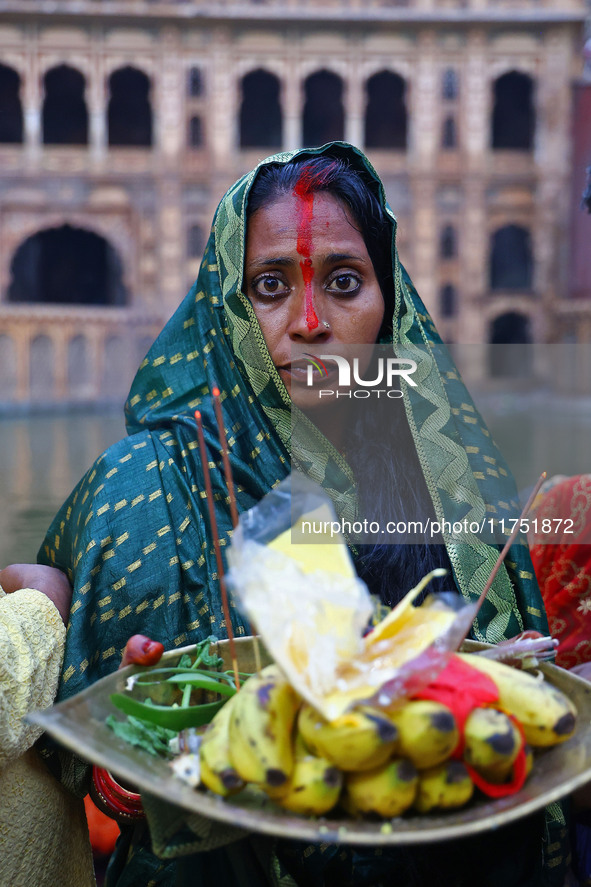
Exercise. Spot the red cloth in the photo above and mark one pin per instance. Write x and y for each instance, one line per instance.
(462, 689)
(563, 570)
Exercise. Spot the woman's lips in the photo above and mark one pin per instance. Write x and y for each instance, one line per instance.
(298, 372)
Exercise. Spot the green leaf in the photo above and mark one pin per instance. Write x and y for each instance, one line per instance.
(203, 656)
(150, 737)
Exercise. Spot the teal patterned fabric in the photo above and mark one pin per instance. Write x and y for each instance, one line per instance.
(134, 536)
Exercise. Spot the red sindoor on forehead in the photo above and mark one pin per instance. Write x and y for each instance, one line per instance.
(305, 195)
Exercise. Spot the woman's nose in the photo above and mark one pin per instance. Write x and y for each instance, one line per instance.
(307, 319)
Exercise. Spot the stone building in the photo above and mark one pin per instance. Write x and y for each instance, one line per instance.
(123, 121)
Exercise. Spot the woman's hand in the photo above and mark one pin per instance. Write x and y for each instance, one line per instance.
(48, 580)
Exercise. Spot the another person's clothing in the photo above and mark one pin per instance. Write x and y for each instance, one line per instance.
(563, 570)
(134, 536)
(43, 833)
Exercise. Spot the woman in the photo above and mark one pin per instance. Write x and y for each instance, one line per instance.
(302, 252)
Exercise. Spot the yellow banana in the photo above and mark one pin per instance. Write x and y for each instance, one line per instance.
(261, 726)
(545, 713)
(215, 764)
(492, 742)
(387, 791)
(445, 786)
(427, 732)
(357, 740)
(314, 786)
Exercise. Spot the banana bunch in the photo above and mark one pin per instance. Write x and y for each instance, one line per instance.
(378, 761)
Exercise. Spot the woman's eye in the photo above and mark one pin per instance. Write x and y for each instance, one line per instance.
(345, 283)
(269, 286)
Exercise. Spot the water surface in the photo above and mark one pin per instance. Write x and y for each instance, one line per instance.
(43, 457)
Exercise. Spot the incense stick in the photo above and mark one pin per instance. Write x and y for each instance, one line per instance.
(225, 455)
(232, 494)
(508, 544)
(216, 545)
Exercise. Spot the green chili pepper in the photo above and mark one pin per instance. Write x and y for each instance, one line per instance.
(169, 716)
(144, 680)
(201, 682)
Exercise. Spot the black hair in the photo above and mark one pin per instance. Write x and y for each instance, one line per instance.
(358, 192)
(383, 455)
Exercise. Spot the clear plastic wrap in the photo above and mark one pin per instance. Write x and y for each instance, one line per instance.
(313, 612)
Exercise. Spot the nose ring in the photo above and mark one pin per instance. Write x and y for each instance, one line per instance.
(326, 324)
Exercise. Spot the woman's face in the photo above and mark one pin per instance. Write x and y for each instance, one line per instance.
(307, 266)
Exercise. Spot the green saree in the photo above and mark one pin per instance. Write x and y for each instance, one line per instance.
(133, 537)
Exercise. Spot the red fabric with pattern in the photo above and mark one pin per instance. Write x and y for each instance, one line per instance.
(563, 570)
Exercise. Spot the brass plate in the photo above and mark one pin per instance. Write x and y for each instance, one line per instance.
(78, 723)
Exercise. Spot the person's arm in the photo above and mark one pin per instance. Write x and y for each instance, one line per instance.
(32, 636)
(48, 580)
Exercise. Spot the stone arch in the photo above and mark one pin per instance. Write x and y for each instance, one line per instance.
(513, 115)
(195, 82)
(324, 117)
(41, 368)
(114, 227)
(195, 241)
(64, 115)
(11, 111)
(271, 65)
(448, 300)
(511, 259)
(8, 368)
(67, 265)
(386, 121)
(261, 119)
(195, 132)
(376, 64)
(129, 111)
(449, 133)
(507, 334)
(450, 84)
(448, 242)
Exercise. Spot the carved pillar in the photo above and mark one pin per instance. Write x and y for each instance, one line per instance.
(167, 98)
(424, 238)
(475, 111)
(476, 102)
(423, 109)
(60, 376)
(552, 153)
(32, 100)
(23, 347)
(97, 106)
(170, 241)
(354, 102)
(223, 104)
(96, 346)
(293, 106)
(474, 240)
(422, 155)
